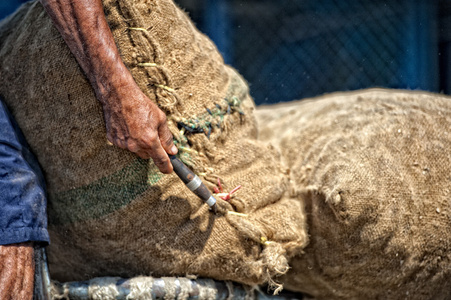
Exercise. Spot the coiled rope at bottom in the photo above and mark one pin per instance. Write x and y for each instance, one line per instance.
(167, 288)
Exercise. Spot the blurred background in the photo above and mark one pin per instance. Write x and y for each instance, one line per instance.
(293, 49)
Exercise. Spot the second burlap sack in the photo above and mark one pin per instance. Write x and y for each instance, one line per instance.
(113, 214)
(373, 170)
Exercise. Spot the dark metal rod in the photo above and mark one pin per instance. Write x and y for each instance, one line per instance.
(193, 182)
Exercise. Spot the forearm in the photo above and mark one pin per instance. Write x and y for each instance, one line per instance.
(16, 271)
(132, 120)
(83, 26)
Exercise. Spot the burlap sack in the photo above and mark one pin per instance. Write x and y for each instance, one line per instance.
(113, 214)
(373, 170)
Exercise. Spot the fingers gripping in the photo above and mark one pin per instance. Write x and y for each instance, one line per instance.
(148, 139)
(166, 139)
(160, 157)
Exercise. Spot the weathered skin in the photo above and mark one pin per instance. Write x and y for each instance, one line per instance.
(133, 122)
(16, 271)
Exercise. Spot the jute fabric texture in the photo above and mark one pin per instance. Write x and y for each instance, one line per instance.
(372, 170)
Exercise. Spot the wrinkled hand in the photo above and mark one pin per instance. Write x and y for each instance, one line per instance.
(135, 123)
(16, 271)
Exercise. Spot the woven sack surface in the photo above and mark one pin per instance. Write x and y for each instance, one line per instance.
(113, 214)
(372, 169)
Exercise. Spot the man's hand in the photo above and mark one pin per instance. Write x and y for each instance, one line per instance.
(138, 125)
(132, 120)
(16, 271)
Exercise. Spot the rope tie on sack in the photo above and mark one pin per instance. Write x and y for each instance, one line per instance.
(165, 101)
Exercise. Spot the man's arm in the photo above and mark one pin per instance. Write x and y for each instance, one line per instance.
(132, 120)
(17, 271)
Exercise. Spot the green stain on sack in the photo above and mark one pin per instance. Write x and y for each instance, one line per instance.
(103, 196)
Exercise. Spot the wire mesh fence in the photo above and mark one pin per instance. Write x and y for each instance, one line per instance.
(291, 49)
(445, 45)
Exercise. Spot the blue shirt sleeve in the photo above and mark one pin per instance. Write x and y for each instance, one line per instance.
(23, 211)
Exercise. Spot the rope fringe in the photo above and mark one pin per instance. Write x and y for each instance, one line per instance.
(237, 214)
(137, 28)
(147, 65)
(273, 260)
(164, 87)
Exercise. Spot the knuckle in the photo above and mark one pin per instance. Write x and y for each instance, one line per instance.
(163, 118)
(151, 136)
